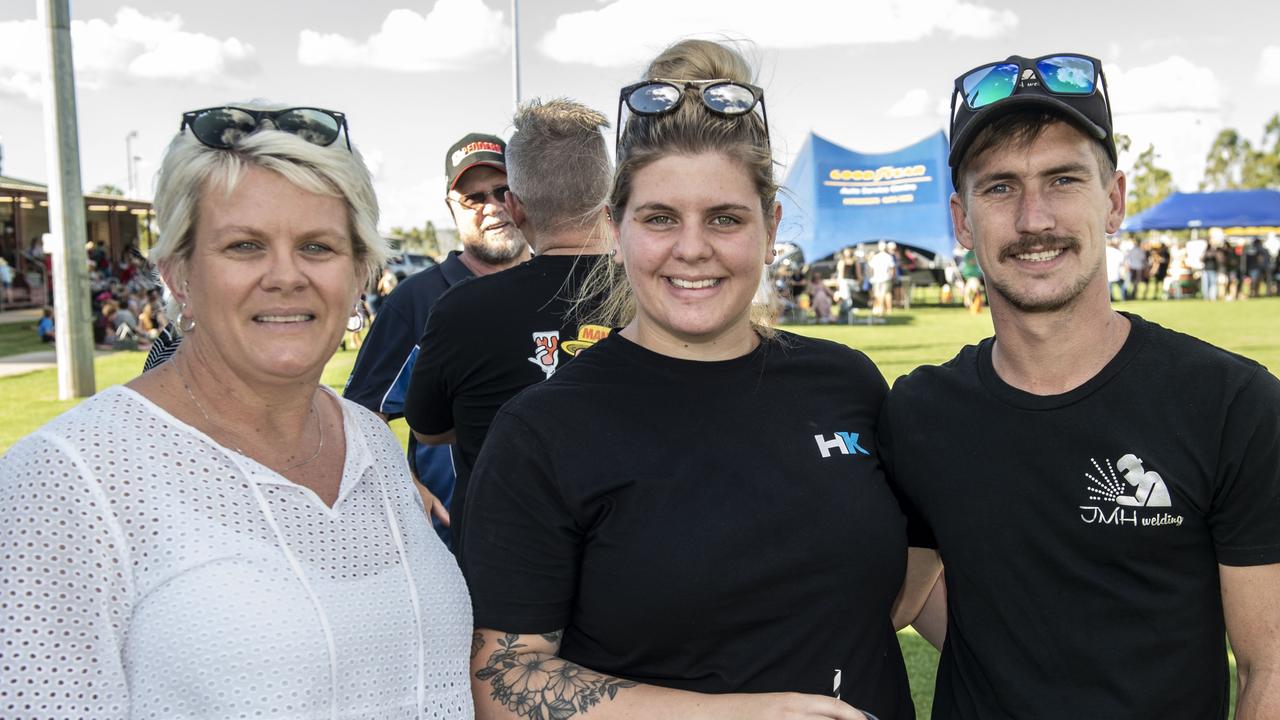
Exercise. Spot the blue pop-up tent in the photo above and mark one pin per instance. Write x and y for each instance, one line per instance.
(834, 197)
(1223, 209)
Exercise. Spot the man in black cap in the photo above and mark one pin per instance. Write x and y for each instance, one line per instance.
(490, 339)
(476, 195)
(1104, 491)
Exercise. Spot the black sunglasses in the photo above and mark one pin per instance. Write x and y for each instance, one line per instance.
(476, 200)
(221, 127)
(659, 96)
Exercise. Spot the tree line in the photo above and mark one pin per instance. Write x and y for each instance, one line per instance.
(1233, 163)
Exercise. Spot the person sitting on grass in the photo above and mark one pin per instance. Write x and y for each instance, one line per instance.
(45, 328)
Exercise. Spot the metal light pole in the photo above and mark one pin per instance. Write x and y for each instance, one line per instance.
(515, 49)
(74, 346)
(128, 162)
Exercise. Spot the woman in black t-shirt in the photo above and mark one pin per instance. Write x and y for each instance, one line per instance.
(690, 519)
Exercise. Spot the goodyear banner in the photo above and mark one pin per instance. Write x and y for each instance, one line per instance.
(835, 197)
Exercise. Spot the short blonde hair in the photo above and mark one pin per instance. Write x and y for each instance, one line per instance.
(191, 168)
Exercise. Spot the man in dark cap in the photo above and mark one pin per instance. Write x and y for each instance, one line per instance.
(1104, 491)
(476, 195)
(488, 340)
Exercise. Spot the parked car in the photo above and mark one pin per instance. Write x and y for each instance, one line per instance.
(408, 264)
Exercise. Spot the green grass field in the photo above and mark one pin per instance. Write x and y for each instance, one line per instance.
(924, 335)
(19, 337)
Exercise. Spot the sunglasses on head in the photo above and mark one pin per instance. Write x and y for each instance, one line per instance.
(477, 200)
(659, 96)
(1067, 75)
(222, 127)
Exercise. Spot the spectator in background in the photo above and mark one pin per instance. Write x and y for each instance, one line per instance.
(819, 299)
(1136, 270)
(971, 273)
(1158, 268)
(6, 280)
(1210, 264)
(45, 327)
(883, 269)
(386, 284)
(1231, 272)
(1115, 269)
(1256, 263)
(848, 275)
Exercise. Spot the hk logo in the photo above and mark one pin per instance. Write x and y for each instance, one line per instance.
(845, 443)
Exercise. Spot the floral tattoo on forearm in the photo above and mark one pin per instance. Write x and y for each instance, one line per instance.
(542, 686)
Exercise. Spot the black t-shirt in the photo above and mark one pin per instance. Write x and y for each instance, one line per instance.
(1082, 532)
(486, 340)
(710, 526)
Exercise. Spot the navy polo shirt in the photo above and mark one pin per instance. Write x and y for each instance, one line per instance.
(380, 378)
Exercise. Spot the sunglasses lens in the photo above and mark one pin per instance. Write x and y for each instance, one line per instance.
(729, 98)
(989, 84)
(1068, 74)
(653, 98)
(222, 127)
(315, 127)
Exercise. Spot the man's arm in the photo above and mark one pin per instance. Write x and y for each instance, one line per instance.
(520, 676)
(444, 438)
(923, 568)
(1253, 626)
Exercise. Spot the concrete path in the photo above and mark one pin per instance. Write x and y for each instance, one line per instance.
(16, 316)
(22, 363)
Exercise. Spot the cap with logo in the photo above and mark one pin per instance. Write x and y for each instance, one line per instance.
(1068, 84)
(472, 150)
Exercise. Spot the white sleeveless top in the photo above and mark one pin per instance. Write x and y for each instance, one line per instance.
(148, 572)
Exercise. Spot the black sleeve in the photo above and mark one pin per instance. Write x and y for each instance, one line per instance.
(919, 534)
(520, 549)
(428, 405)
(1245, 517)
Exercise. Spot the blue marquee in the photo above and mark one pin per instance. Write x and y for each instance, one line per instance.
(834, 197)
(1224, 209)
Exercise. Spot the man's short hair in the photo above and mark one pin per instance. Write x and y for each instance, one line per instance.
(558, 164)
(1020, 128)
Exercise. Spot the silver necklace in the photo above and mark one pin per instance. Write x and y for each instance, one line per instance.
(319, 425)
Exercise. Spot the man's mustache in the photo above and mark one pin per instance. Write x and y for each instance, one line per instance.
(1040, 243)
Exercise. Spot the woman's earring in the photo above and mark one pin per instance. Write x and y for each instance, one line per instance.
(182, 309)
(355, 323)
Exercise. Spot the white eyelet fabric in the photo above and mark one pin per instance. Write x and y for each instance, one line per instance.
(147, 572)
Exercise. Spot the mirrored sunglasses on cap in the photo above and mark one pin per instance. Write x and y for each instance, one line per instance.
(1063, 74)
(1070, 83)
(222, 127)
(721, 96)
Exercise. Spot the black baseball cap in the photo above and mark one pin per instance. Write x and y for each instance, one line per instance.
(1067, 84)
(472, 150)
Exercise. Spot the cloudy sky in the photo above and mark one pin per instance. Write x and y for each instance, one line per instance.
(414, 75)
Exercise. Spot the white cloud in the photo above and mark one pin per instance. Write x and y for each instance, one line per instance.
(411, 202)
(1174, 105)
(629, 32)
(453, 31)
(1181, 139)
(1171, 85)
(132, 44)
(1269, 65)
(914, 104)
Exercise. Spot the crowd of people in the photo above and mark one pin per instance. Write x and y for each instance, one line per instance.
(628, 494)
